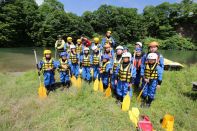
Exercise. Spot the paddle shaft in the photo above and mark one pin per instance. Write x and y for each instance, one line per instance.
(36, 59)
(55, 53)
(133, 63)
(138, 98)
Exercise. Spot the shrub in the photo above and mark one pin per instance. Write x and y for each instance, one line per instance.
(178, 42)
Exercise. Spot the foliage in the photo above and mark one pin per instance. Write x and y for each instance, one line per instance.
(176, 42)
(24, 23)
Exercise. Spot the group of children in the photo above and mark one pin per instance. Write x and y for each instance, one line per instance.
(118, 67)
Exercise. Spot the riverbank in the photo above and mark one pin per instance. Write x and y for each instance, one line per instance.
(85, 110)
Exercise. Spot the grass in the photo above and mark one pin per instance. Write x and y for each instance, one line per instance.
(85, 110)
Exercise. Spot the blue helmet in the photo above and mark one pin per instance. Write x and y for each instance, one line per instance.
(126, 48)
(63, 54)
(105, 57)
(138, 49)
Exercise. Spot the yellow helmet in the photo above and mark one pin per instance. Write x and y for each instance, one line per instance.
(47, 52)
(109, 31)
(79, 40)
(154, 43)
(96, 39)
(69, 39)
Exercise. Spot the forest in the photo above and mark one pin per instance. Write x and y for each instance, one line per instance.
(25, 24)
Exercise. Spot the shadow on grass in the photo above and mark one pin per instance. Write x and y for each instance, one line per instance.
(191, 95)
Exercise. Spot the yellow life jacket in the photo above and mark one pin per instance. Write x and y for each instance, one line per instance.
(151, 73)
(108, 40)
(116, 63)
(73, 58)
(96, 59)
(68, 50)
(59, 43)
(47, 64)
(125, 73)
(79, 49)
(63, 63)
(103, 68)
(86, 60)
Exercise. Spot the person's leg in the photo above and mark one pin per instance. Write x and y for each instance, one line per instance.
(144, 93)
(88, 74)
(67, 78)
(47, 80)
(76, 71)
(52, 81)
(151, 92)
(94, 72)
(119, 91)
(105, 81)
(125, 87)
(137, 80)
(83, 73)
(62, 79)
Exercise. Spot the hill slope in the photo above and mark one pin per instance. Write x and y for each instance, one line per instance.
(20, 108)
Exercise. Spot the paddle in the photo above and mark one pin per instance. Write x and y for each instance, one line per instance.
(127, 99)
(96, 84)
(42, 92)
(55, 53)
(100, 81)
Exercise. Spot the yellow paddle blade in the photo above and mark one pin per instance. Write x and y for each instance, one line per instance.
(108, 91)
(42, 92)
(96, 85)
(134, 115)
(126, 102)
(100, 86)
(74, 81)
(78, 82)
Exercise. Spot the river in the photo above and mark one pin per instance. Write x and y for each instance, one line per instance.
(22, 59)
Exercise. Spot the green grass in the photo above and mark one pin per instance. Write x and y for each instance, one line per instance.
(21, 109)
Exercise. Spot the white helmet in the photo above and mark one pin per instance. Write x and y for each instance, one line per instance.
(119, 47)
(72, 46)
(94, 47)
(152, 56)
(139, 43)
(126, 54)
(86, 48)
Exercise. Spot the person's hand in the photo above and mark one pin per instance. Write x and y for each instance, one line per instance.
(116, 82)
(65, 67)
(49, 69)
(85, 38)
(146, 80)
(158, 87)
(111, 72)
